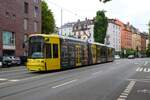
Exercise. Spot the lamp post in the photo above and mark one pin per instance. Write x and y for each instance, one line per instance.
(61, 20)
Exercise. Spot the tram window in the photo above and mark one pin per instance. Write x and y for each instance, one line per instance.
(48, 51)
(55, 50)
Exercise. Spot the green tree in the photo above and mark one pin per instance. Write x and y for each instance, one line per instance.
(104, 1)
(148, 49)
(100, 27)
(48, 22)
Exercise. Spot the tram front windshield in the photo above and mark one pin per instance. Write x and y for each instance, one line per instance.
(36, 47)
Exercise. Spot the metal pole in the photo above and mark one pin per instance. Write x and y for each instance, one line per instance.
(61, 19)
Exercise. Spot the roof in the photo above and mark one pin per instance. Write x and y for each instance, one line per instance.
(70, 38)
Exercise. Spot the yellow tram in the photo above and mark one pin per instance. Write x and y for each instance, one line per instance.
(53, 52)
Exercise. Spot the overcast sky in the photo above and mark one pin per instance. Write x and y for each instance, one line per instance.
(137, 12)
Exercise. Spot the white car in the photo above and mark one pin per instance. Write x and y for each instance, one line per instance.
(117, 57)
(0, 62)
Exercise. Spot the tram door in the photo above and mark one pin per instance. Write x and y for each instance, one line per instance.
(78, 55)
(52, 50)
(93, 53)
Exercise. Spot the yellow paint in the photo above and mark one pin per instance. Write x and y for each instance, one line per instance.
(94, 53)
(54, 63)
(36, 65)
(46, 64)
(78, 56)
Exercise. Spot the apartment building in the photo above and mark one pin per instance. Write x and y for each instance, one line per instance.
(18, 18)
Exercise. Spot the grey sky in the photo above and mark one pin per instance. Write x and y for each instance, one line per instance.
(137, 12)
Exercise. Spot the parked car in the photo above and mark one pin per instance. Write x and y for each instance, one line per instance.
(18, 60)
(15, 60)
(7, 61)
(131, 57)
(117, 57)
(0, 61)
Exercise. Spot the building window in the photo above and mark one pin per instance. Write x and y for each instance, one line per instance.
(36, 11)
(35, 26)
(7, 14)
(14, 16)
(25, 38)
(48, 51)
(25, 24)
(55, 50)
(26, 7)
(8, 38)
(36, 1)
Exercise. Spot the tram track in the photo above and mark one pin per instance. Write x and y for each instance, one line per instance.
(41, 84)
(53, 77)
(50, 80)
(42, 80)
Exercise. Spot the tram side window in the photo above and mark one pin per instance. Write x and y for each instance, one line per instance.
(55, 50)
(48, 51)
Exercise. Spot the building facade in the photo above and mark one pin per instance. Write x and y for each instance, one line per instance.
(113, 35)
(18, 18)
(136, 42)
(126, 35)
(67, 30)
(84, 30)
(143, 42)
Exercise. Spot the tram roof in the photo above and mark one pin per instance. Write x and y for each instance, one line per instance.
(69, 38)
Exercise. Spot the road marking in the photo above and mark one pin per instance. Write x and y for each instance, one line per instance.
(64, 84)
(15, 80)
(3, 79)
(8, 81)
(138, 69)
(145, 91)
(146, 69)
(120, 99)
(125, 94)
(141, 69)
(127, 91)
(140, 80)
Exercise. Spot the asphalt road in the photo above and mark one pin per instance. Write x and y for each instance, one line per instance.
(125, 79)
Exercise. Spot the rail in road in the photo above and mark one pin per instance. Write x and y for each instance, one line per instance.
(119, 80)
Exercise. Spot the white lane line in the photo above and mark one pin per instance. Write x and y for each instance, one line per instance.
(64, 84)
(120, 99)
(141, 69)
(140, 80)
(3, 79)
(8, 81)
(14, 80)
(125, 94)
(127, 91)
(146, 69)
(138, 69)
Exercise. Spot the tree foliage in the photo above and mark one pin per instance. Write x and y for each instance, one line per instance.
(148, 49)
(100, 27)
(48, 22)
(104, 1)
